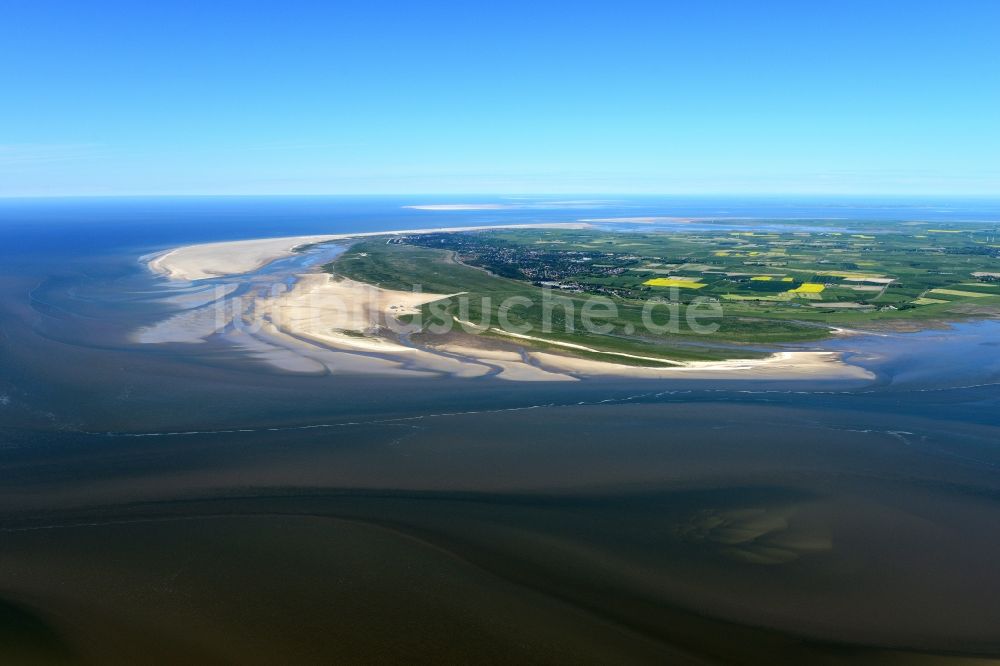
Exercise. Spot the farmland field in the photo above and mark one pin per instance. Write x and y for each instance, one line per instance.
(798, 281)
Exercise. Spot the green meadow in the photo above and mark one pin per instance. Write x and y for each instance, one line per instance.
(798, 281)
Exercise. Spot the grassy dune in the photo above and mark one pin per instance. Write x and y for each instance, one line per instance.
(775, 287)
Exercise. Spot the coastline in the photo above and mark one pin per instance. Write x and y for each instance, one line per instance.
(341, 325)
(210, 260)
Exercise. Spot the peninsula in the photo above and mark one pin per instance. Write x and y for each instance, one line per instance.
(570, 300)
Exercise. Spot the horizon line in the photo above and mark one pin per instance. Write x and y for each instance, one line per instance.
(512, 195)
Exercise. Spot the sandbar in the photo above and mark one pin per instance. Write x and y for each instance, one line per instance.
(211, 260)
(341, 325)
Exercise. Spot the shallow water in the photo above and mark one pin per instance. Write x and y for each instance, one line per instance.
(179, 502)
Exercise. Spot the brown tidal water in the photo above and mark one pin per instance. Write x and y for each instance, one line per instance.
(627, 532)
(184, 504)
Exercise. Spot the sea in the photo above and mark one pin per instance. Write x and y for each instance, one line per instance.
(188, 502)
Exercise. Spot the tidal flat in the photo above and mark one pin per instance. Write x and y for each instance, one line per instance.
(186, 502)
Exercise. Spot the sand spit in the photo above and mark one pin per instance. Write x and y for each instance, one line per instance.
(357, 318)
(780, 366)
(210, 260)
(326, 323)
(350, 316)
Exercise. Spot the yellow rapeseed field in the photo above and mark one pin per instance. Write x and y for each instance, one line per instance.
(808, 288)
(674, 282)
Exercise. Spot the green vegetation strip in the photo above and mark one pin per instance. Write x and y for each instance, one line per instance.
(881, 273)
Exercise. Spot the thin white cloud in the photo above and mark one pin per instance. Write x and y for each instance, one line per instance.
(21, 154)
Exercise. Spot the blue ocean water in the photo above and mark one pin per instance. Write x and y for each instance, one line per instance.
(80, 256)
(99, 224)
(159, 489)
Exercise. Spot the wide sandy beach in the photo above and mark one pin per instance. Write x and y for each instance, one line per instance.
(342, 325)
(208, 260)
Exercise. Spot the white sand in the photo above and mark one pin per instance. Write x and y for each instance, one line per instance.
(198, 262)
(591, 350)
(346, 315)
(352, 316)
(783, 365)
(511, 364)
(328, 324)
(208, 260)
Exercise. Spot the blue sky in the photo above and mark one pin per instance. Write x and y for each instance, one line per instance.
(508, 97)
